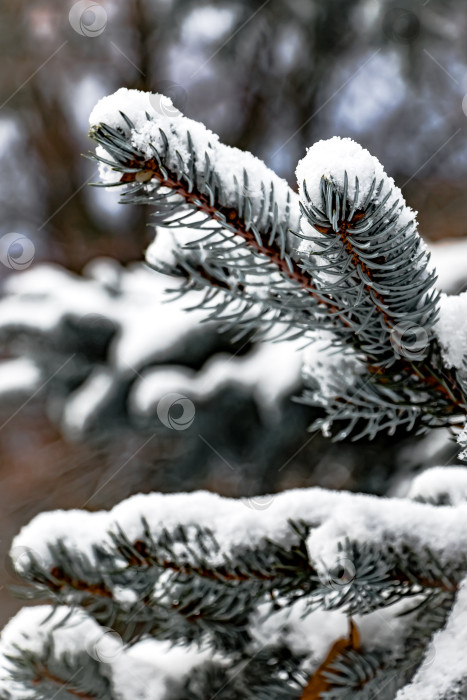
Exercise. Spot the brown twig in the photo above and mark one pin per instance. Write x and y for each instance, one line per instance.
(217, 573)
(44, 674)
(318, 682)
(62, 579)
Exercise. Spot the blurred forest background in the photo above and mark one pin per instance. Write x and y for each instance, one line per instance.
(272, 77)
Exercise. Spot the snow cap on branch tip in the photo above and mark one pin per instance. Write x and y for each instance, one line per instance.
(332, 158)
(150, 126)
(134, 103)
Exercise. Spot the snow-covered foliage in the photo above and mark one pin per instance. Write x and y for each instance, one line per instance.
(306, 593)
(269, 373)
(341, 160)
(448, 259)
(354, 213)
(152, 114)
(462, 440)
(88, 337)
(64, 640)
(361, 272)
(233, 582)
(451, 329)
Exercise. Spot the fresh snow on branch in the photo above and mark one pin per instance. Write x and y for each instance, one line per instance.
(451, 329)
(361, 273)
(353, 168)
(59, 636)
(448, 259)
(18, 376)
(440, 486)
(443, 672)
(149, 118)
(335, 516)
(363, 246)
(378, 559)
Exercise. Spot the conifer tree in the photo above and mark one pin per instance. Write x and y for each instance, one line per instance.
(322, 594)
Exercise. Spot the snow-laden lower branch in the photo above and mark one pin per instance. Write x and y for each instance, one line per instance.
(200, 569)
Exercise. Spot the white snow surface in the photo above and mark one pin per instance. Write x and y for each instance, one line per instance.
(146, 670)
(314, 634)
(451, 328)
(141, 672)
(438, 481)
(85, 401)
(462, 440)
(332, 158)
(449, 258)
(151, 665)
(230, 163)
(18, 375)
(339, 515)
(162, 251)
(133, 298)
(150, 328)
(444, 670)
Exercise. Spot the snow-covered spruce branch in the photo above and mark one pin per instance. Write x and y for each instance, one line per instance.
(243, 213)
(343, 257)
(55, 659)
(211, 573)
(69, 650)
(360, 241)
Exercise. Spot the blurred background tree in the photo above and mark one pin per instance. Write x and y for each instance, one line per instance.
(269, 76)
